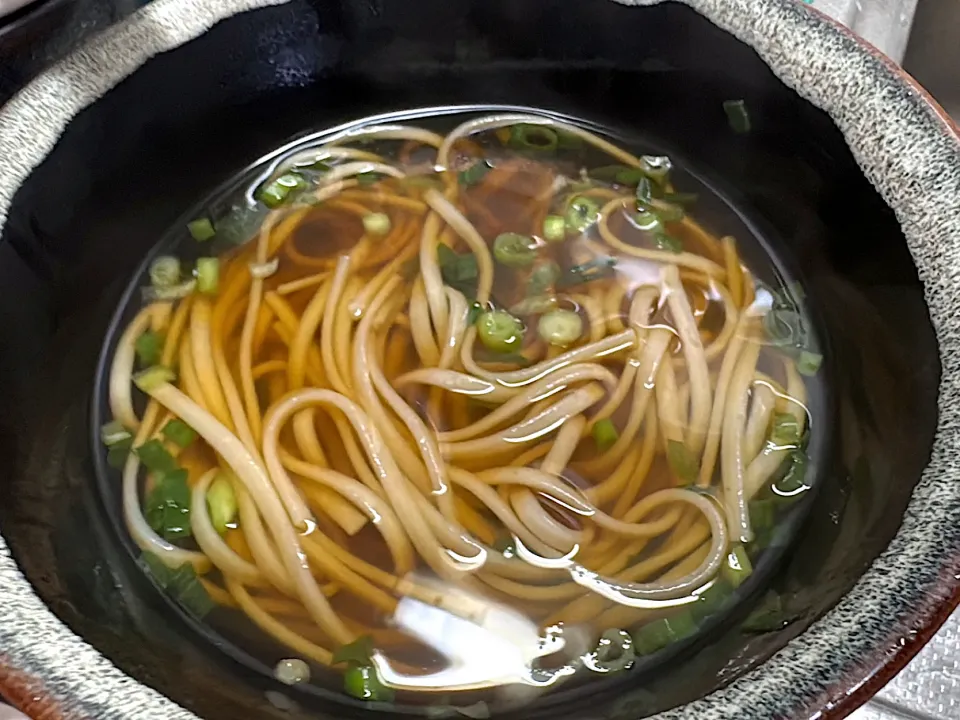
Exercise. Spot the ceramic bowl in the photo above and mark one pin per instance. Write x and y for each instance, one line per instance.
(850, 174)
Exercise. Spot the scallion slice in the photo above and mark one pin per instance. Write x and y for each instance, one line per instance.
(155, 457)
(560, 328)
(165, 271)
(201, 229)
(474, 174)
(582, 213)
(738, 567)
(221, 503)
(153, 377)
(656, 167)
(809, 363)
(605, 434)
(533, 137)
(376, 223)
(660, 633)
(149, 347)
(682, 461)
(515, 250)
(275, 193)
(208, 275)
(554, 228)
(737, 115)
(786, 429)
(113, 433)
(179, 433)
(364, 683)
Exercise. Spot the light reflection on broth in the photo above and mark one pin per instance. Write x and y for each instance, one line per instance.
(466, 411)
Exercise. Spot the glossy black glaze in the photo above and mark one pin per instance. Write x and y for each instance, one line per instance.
(130, 165)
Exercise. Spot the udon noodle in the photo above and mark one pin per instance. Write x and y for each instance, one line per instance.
(498, 379)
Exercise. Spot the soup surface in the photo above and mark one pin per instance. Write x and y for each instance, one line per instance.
(483, 412)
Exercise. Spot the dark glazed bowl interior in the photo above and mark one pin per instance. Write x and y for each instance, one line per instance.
(131, 164)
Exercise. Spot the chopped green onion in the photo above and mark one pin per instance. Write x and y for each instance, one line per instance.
(785, 327)
(499, 331)
(683, 463)
(614, 652)
(656, 167)
(794, 481)
(118, 454)
(763, 514)
(358, 652)
(808, 363)
(369, 178)
(543, 278)
(737, 568)
(644, 193)
(536, 305)
(582, 213)
(292, 671)
(149, 348)
(179, 433)
(737, 115)
(786, 429)
(364, 683)
(376, 223)
(667, 243)
(167, 507)
(667, 212)
(275, 193)
(208, 275)
(459, 271)
(155, 457)
(221, 503)
(153, 377)
(240, 223)
(768, 616)
(618, 174)
(605, 434)
(596, 269)
(515, 250)
(182, 583)
(560, 327)
(164, 271)
(474, 174)
(113, 433)
(554, 228)
(711, 600)
(533, 137)
(660, 633)
(201, 229)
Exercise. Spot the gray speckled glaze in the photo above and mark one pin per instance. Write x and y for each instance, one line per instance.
(910, 154)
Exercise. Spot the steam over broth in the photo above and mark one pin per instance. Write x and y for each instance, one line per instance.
(482, 411)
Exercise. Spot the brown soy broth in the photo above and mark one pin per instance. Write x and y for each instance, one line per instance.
(516, 195)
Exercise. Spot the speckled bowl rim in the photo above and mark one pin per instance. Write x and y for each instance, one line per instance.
(907, 147)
